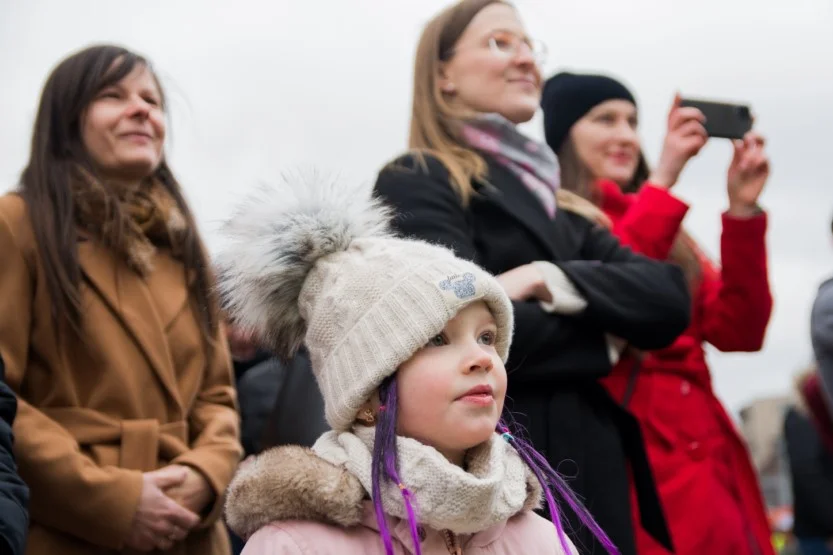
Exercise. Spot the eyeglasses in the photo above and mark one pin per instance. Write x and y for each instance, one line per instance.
(508, 45)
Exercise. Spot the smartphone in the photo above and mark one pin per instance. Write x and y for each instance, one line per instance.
(727, 121)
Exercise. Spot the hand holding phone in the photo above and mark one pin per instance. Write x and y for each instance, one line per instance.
(747, 175)
(683, 140)
(726, 121)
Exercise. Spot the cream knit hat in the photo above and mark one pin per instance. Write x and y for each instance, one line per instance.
(312, 262)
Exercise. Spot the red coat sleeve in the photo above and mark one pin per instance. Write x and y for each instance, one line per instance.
(651, 218)
(736, 300)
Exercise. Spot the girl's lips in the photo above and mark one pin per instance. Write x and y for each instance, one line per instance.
(481, 399)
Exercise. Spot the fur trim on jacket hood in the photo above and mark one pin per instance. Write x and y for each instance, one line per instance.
(293, 483)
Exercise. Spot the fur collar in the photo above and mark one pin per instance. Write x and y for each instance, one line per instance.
(293, 483)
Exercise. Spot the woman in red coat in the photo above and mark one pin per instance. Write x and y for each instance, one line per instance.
(707, 483)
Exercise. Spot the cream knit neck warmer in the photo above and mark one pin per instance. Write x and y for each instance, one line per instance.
(495, 486)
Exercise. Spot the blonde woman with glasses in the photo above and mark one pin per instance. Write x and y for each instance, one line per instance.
(473, 182)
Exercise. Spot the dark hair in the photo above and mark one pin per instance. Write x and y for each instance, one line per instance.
(384, 466)
(56, 149)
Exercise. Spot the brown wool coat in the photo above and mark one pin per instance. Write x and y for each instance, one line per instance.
(134, 394)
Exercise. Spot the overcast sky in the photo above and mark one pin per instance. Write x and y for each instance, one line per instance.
(258, 87)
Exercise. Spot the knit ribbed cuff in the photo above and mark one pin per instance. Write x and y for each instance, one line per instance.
(565, 296)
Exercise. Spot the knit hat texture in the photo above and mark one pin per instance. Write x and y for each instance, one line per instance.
(312, 261)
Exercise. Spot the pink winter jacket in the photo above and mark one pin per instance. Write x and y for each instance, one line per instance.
(523, 534)
(290, 502)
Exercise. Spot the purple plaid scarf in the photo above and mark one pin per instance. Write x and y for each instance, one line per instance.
(534, 163)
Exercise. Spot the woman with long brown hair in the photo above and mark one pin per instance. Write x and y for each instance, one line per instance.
(127, 430)
(474, 183)
(705, 477)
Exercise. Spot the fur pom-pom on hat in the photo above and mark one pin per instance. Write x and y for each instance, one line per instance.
(275, 236)
(312, 262)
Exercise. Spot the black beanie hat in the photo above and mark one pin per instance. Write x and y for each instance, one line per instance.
(567, 97)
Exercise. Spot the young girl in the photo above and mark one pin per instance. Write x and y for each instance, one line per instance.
(408, 345)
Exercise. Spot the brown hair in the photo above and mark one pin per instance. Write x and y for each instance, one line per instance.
(433, 120)
(576, 178)
(56, 149)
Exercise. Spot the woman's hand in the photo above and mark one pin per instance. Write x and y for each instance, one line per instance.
(524, 283)
(194, 492)
(747, 175)
(683, 140)
(160, 521)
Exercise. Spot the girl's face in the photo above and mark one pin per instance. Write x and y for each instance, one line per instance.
(451, 392)
(606, 141)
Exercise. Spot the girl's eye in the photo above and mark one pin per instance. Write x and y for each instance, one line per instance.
(606, 118)
(488, 338)
(152, 101)
(109, 94)
(437, 341)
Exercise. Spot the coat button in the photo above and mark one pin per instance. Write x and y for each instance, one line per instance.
(685, 388)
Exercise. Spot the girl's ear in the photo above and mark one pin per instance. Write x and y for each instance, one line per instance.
(369, 410)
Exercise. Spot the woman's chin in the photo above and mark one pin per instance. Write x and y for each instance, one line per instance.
(520, 112)
(619, 174)
(137, 163)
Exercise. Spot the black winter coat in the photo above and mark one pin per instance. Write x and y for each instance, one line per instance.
(556, 360)
(811, 471)
(14, 495)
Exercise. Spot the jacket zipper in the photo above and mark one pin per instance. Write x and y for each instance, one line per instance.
(451, 543)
